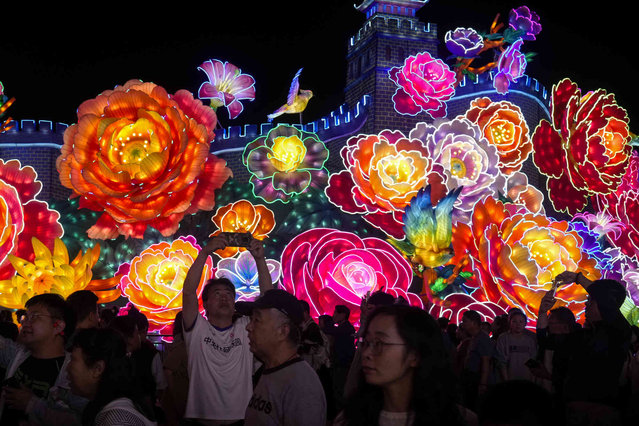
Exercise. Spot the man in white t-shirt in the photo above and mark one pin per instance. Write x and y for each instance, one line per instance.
(220, 363)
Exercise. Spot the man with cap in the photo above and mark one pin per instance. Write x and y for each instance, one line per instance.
(220, 362)
(287, 389)
(591, 386)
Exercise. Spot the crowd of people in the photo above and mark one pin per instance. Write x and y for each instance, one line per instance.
(269, 362)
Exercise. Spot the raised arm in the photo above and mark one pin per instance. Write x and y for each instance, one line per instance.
(256, 248)
(190, 303)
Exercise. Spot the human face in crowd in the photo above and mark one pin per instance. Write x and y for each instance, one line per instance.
(220, 301)
(338, 317)
(517, 324)
(134, 342)
(386, 361)
(557, 327)
(470, 327)
(264, 331)
(83, 379)
(39, 327)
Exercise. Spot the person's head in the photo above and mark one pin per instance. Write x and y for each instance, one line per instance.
(402, 347)
(599, 289)
(85, 306)
(325, 321)
(275, 324)
(341, 313)
(47, 320)
(443, 322)
(127, 326)
(97, 356)
(106, 316)
(517, 322)
(306, 309)
(561, 321)
(471, 322)
(218, 298)
(375, 300)
(101, 371)
(142, 321)
(486, 327)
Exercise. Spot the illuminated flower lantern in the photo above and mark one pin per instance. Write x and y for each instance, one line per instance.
(52, 272)
(514, 257)
(584, 151)
(467, 158)
(285, 162)
(510, 67)
(525, 20)
(383, 173)
(328, 267)
(142, 157)
(454, 305)
(424, 84)
(622, 206)
(503, 125)
(242, 272)
(464, 42)
(243, 216)
(22, 216)
(154, 279)
(227, 86)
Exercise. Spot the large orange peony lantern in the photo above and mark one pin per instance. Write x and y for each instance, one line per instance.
(515, 256)
(142, 157)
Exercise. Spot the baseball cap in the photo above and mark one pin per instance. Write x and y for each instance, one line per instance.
(283, 301)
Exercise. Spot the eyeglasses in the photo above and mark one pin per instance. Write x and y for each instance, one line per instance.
(32, 317)
(377, 346)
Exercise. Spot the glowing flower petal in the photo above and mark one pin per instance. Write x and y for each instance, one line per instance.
(142, 157)
(383, 173)
(285, 163)
(585, 150)
(327, 267)
(154, 279)
(51, 272)
(242, 216)
(242, 272)
(515, 256)
(227, 86)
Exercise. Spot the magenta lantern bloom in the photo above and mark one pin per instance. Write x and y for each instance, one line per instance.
(511, 66)
(328, 267)
(424, 84)
(525, 20)
(227, 86)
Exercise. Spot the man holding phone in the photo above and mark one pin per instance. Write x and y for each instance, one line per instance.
(220, 362)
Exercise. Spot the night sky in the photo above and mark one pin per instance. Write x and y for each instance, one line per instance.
(53, 58)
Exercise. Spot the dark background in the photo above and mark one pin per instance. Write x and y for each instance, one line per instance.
(54, 57)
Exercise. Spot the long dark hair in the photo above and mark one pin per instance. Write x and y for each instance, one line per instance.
(117, 379)
(433, 401)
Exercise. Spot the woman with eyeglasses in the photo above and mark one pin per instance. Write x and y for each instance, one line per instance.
(406, 378)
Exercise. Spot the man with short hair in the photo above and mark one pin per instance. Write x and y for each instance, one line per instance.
(84, 304)
(36, 387)
(287, 390)
(220, 362)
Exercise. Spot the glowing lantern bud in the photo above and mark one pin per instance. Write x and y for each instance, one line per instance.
(242, 216)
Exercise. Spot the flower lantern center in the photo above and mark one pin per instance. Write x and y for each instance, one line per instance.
(501, 133)
(396, 169)
(361, 277)
(134, 142)
(287, 153)
(457, 168)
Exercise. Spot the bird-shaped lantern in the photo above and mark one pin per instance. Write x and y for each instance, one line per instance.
(428, 229)
(296, 101)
